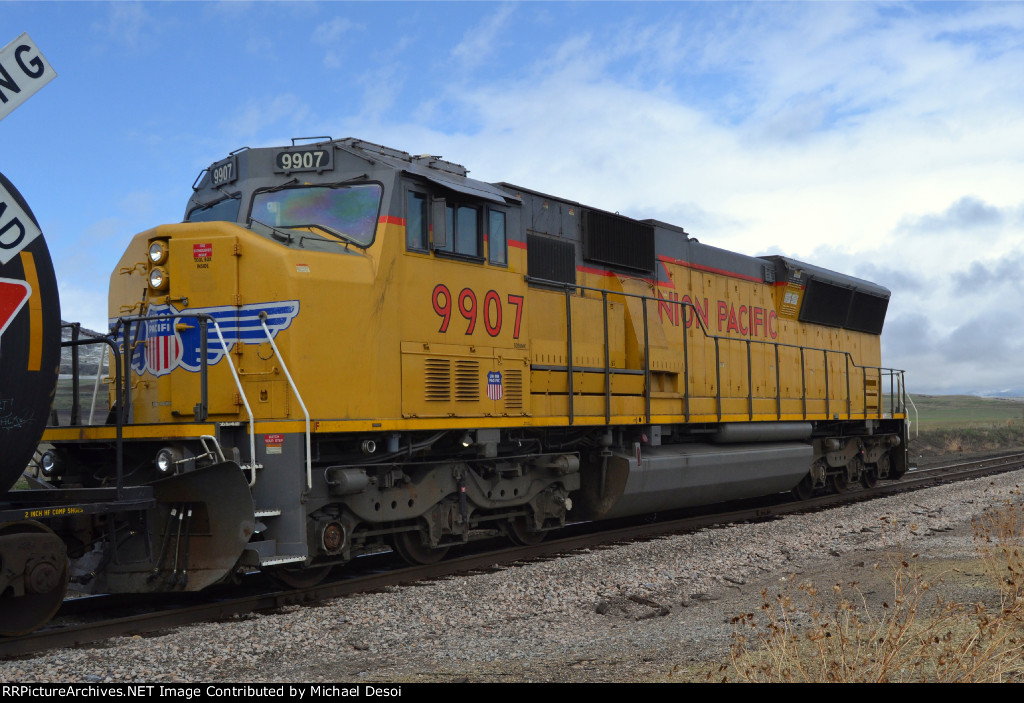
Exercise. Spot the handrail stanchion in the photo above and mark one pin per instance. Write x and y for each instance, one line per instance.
(778, 383)
(607, 362)
(76, 407)
(828, 404)
(803, 381)
(718, 380)
(750, 385)
(298, 397)
(686, 364)
(569, 359)
(647, 365)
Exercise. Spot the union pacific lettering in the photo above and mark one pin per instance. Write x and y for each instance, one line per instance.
(748, 320)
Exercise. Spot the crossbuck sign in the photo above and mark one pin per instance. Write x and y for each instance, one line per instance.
(23, 71)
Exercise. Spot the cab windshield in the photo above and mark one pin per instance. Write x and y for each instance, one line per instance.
(347, 212)
(225, 210)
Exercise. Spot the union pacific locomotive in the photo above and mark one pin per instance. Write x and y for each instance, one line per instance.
(345, 348)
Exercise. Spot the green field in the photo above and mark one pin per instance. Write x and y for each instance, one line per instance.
(945, 412)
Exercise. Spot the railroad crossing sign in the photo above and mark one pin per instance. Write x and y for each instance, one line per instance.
(13, 295)
(23, 71)
(17, 228)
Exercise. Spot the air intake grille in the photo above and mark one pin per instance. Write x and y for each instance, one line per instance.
(437, 380)
(467, 380)
(619, 241)
(514, 389)
(832, 305)
(550, 259)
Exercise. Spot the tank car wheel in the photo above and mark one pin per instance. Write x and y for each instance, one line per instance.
(838, 482)
(299, 578)
(805, 489)
(47, 583)
(518, 533)
(410, 547)
(869, 477)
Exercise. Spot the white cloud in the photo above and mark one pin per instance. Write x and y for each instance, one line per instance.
(479, 42)
(130, 24)
(872, 133)
(330, 34)
(257, 116)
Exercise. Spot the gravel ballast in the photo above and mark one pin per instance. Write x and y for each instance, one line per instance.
(645, 611)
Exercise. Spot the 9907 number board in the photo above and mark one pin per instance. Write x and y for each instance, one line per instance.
(303, 160)
(224, 172)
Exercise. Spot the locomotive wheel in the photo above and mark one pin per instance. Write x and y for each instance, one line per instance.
(299, 578)
(805, 489)
(838, 482)
(869, 477)
(410, 547)
(20, 615)
(518, 533)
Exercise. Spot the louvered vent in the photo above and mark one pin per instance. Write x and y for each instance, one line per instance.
(550, 259)
(514, 389)
(437, 379)
(467, 380)
(619, 241)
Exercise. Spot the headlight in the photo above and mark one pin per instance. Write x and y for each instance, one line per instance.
(167, 458)
(158, 278)
(158, 252)
(51, 464)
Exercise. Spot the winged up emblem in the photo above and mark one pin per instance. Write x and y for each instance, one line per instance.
(175, 342)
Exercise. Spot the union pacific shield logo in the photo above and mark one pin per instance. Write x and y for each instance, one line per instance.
(163, 346)
(175, 342)
(494, 390)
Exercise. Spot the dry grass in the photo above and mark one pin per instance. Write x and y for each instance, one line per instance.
(838, 634)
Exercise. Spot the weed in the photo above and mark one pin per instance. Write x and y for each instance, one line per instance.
(836, 634)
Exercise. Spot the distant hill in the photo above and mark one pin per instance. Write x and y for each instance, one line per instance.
(948, 411)
(88, 355)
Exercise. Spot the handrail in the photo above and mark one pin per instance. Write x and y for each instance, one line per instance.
(295, 390)
(897, 390)
(119, 416)
(129, 352)
(238, 384)
(96, 385)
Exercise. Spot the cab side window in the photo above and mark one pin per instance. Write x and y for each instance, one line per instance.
(416, 222)
(497, 246)
(462, 225)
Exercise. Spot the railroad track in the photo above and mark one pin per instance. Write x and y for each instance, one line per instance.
(378, 572)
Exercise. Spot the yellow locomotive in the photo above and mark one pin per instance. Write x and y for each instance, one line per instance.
(345, 347)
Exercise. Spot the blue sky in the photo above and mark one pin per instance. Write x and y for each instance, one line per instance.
(882, 140)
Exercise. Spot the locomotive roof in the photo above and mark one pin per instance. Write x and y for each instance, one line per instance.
(261, 168)
(830, 276)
